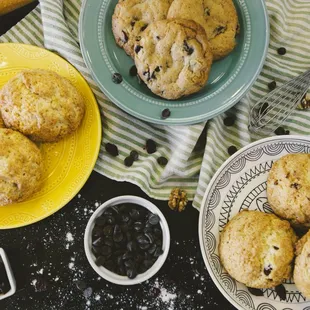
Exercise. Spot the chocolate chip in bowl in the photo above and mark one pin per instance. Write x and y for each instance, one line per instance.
(127, 240)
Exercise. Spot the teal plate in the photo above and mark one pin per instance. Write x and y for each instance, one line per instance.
(229, 80)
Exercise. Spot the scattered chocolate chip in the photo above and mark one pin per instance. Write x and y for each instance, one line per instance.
(133, 71)
(138, 38)
(151, 146)
(157, 69)
(232, 150)
(138, 48)
(134, 155)
(267, 270)
(207, 11)
(276, 182)
(255, 291)
(276, 248)
(132, 23)
(189, 50)
(163, 161)
(281, 50)
(125, 37)
(165, 113)
(263, 109)
(88, 292)
(157, 37)
(272, 85)
(281, 291)
(287, 132)
(143, 28)
(280, 131)
(128, 161)
(81, 285)
(229, 121)
(117, 78)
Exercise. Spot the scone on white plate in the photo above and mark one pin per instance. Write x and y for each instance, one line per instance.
(288, 188)
(302, 265)
(257, 249)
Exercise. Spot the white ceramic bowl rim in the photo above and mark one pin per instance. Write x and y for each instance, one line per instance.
(107, 274)
(10, 275)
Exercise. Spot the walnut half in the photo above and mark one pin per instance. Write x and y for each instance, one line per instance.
(177, 199)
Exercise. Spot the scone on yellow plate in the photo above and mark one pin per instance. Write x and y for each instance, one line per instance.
(42, 105)
(288, 188)
(302, 265)
(21, 167)
(257, 249)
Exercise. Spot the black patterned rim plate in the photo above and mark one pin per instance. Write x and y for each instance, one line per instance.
(239, 184)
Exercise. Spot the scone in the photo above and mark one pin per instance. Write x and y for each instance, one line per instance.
(302, 265)
(131, 17)
(288, 188)
(173, 58)
(21, 167)
(218, 18)
(42, 105)
(257, 249)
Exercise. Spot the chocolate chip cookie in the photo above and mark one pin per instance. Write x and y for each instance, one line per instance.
(218, 17)
(257, 249)
(173, 58)
(131, 17)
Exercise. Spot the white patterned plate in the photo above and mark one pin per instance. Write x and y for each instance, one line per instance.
(240, 184)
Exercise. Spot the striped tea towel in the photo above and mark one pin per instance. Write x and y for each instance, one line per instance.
(54, 25)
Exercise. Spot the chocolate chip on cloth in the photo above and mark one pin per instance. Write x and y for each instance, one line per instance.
(178, 63)
(218, 18)
(132, 17)
(177, 199)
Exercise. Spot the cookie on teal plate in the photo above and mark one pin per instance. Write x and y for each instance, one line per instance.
(230, 78)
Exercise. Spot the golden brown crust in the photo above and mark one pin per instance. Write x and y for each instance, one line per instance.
(218, 18)
(131, 17)
(21, 167)
(302, 265)
(257, 249)
(288, 188)
(42, 105)
(173, 58)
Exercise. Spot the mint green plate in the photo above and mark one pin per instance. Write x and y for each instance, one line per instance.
(230, 78)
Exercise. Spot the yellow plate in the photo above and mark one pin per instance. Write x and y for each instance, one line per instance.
(69, 162)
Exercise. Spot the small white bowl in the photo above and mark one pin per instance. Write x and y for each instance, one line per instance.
(9, 274)
(109, 275)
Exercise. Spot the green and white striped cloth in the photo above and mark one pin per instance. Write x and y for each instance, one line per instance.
(54, 25)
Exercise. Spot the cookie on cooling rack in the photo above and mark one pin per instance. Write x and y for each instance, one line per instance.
(257, 249)
(288, 188)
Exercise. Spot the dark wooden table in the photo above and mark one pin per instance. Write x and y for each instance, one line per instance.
(48, 257)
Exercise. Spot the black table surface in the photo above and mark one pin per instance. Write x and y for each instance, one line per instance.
(48, 257)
